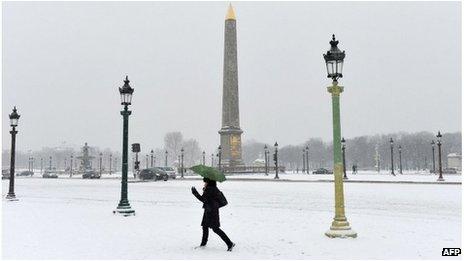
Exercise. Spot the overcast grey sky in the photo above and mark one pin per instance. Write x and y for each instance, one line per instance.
(63, 63)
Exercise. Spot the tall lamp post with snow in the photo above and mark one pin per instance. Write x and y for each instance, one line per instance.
(124, 208)
(152, 154)
(401, 164)
(276, 160)
(334, 62)
(307, 160)
(433, 156)
(266, 163)
(14, 118)
(440, 170)
(182, 163)
(391, 157)
(344, 161)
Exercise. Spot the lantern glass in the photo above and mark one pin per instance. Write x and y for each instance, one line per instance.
(330, 68)
(126, 98)
(14, 122)
(339, 67)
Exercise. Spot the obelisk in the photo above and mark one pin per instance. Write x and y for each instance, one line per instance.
(231, 143)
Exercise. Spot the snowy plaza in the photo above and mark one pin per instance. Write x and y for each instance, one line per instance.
(72, 219)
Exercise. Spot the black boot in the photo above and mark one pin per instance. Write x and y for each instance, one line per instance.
(231, 247)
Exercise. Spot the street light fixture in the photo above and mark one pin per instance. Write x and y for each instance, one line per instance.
(334, 62)
(182, 162)
(152, 154)
(14, 119)
(440, 171)
(433, 156)
(219, 157)
(111, 162)
(304, 161)
(204, 158)
(344, 162)
(266, 162)
(166, 158)
(391, 157)
(307, 160)
(276, 160)
(401, 165)
(101, 163)
(126, 91)
(212, 159)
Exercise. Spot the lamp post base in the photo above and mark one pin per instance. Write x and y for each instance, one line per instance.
(340, 228)
(341, 233)
(11, 197)
(441, 179)
(124, 211)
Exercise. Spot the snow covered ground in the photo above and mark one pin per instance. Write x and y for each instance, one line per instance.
(72, 219)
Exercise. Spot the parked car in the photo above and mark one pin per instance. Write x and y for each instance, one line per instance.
(25, 173)
(170, 171)
(450, 171)
(153, 173)
(90, 174)
(49, 175)
(322, 171)
(5, 173)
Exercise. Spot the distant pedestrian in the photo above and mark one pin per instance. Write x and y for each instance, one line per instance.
(212, 200)
(354, 169)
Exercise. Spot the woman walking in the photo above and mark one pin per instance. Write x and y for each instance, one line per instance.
(210, 199)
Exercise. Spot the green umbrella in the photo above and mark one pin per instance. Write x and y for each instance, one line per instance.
(209, 172)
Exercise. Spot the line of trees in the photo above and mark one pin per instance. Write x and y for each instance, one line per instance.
(416, 151)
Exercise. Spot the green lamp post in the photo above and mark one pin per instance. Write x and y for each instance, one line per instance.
(124, 208)
(14, 118)
(334, 61)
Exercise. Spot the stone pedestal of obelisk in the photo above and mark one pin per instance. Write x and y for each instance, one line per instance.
(230, 132)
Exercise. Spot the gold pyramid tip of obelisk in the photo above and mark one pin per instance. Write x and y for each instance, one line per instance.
(230, 13)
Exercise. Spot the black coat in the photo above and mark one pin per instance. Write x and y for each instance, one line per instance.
(210, 205)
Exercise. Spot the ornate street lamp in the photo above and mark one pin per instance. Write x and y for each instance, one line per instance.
(307, 160)
(41, 165)
(276, 160)
(70, 165)
(204, 163)
(152, 155)
(401, 166)
(433, 156)
(391, 157)
(50, 163)
(219, 157)
(440, 177)
(304, 161)
(344, 162)
(334, 62)
(166, 158)
(182, 163)
(266, 162)
(212, 160)
(111, 161)
(14, 119)
(101, 161)
(126, 91)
